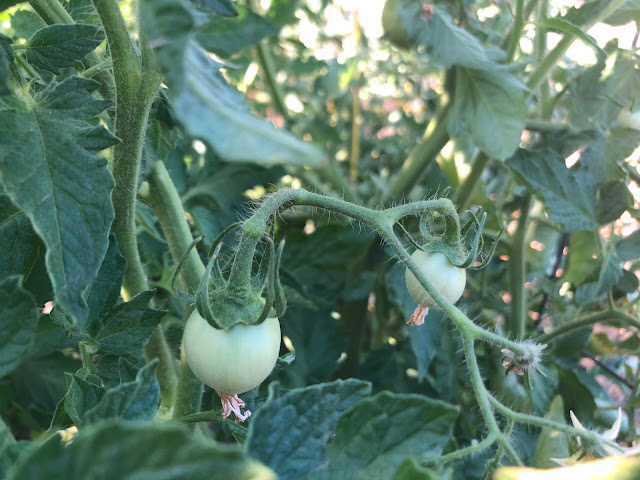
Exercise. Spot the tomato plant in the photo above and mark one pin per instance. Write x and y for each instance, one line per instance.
(208, 208)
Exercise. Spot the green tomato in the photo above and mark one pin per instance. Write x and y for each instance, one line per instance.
(231, 361)
(448, 279)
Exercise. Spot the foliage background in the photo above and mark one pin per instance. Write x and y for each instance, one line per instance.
(460, 114)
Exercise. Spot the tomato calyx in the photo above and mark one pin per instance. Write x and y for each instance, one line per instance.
(233, 404)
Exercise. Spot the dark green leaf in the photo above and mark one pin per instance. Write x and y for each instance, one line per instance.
(127, 327)
(4, 4)
(6, 57)
(51, 169)
(629, 248)
(225, 8)
(143, 452)
(489, 108)
(283, 12)
(18, 320)
(446, 43)
(59, 46)
(226, 37)
(629, 11)
(25, 246)
(105, 290)
(595, 98)
(38, 385)
(134, 400)
(569, 195)
(82, 396)
(314, 410)
(376, 435)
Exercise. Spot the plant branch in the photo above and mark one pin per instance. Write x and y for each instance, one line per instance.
(517, 274)
(420, 158)
(167, 206)
(516, 31)
(463, 195)
(590, 319)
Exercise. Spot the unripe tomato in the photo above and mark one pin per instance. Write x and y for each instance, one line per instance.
(448, 279)
(231, 361)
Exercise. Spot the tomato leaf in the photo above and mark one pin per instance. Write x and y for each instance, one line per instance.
(60, 46)
(489, 108)
(6, 57)
(446, 43)
(18, 320)
(208, 107)
(410, 469)
(113, 450)
(568, 194)
(26, 255)
(87, 401)
(377, 434)
(126, 327)
(61, 183)
(226, 37)
(225, 8)
(314, 410)
(552, 443)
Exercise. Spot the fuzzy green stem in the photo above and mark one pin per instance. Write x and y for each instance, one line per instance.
(526, 419)
(517, 274)
(167, 207)
(482, 396)
(134, 94)
(463, 195)
(516, 31)
(551, 58)
(190, 389)
(590, 319)
(166, 373)
(421, 157)
(269, 69)
(462, 452)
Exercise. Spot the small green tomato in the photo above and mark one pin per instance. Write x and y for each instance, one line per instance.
(231, 361)
(448, 279)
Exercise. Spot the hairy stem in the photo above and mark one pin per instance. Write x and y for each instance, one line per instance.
(517, 274)
(167, 207)
(590, 319)
(421, 157)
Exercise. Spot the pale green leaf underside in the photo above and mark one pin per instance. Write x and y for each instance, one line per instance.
(210, 108)
(489, 107)
(51, 170)
(568, 195)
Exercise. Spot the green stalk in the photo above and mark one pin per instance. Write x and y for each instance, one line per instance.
(517, 274)
(421, 157)
(549, 61)
(189, 392)
(134, 95)
(516, 31)
(167, 207)
(136, 87)
(463, 195)
(269, 69)
(590, 319)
